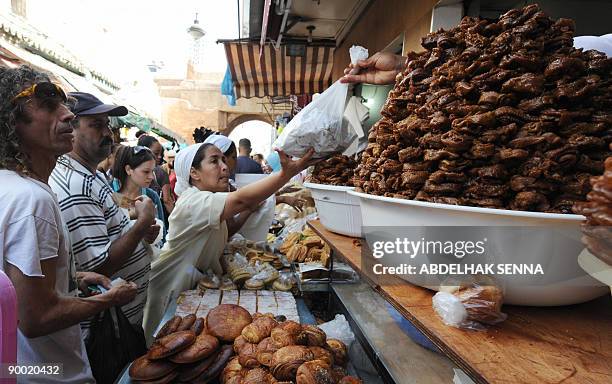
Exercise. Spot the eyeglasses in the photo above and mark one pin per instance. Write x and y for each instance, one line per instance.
(139, 148)
(44, 90)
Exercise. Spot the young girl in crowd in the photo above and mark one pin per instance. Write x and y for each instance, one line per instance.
(132, 176)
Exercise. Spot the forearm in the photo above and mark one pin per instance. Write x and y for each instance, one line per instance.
(234, 224)
(167, 198)
(64, 312)
(122, 249)
(251, 195)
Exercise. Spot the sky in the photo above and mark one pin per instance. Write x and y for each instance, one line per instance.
(121, 37)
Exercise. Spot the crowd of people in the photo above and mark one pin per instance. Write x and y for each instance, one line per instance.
(80, 211)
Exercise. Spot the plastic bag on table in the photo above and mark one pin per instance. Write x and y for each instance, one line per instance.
(266, 273)
(227, 284)
(112, 343)
(339, 328)
(210, 280)
(469, 302)
(237, 243)
(257, 225)
(320, 125)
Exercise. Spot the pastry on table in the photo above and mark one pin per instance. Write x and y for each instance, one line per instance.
(254, 284)
(286, 333)
(204, 346)
(339, 351)
(313, 336)
(171, 344)
(226, 321)
(287, 360)
(323, 354)
(314, 372)
(284, 286)
(259, 329)
(145, 369)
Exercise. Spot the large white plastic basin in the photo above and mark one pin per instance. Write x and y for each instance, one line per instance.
(338, 211)
(536, 290)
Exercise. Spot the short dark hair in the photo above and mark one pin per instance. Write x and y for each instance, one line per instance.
(12, 82)
(140, 133)
(244, 143)
(231, 149)
(126, 156)
(147, 141)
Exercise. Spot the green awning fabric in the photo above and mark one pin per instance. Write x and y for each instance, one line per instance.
(145, 124)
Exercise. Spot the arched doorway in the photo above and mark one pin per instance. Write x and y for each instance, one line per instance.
(261, 134)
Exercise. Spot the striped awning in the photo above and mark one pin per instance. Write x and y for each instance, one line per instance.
(275, 73)
(8, 59)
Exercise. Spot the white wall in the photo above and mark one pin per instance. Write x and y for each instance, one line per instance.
(5, 6)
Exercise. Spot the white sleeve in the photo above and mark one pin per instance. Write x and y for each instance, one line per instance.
(206, 209)
(28, 241)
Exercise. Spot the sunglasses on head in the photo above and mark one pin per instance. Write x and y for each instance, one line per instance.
(44, 90)
(139, 148)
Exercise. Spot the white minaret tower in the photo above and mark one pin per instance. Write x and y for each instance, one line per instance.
(196, 32)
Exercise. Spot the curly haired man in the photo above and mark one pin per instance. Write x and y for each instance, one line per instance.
(34, 249)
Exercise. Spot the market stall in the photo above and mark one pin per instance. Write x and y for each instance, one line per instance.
(533, 345)
(498, 127)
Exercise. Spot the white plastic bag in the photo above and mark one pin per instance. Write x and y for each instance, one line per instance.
(320, 124)
(339, 329)
(469, 302)
(257, 225)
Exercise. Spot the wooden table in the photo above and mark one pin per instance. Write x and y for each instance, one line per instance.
(571, 344)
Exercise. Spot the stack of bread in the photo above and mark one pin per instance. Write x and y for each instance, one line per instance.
(241, 349)
(306, 247)
(183, 351)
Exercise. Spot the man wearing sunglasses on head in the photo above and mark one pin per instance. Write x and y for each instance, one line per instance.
(103, 238)
(34, 247)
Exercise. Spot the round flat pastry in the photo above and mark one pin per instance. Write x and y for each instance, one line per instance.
(226, 321)
(145, 369)
(282, 286)
(169, 378)
(171, 344)
(254, 284)
(189, 372)
(203, 347)
(187, 322)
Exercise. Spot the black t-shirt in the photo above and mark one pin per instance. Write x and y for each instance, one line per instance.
(245, 164)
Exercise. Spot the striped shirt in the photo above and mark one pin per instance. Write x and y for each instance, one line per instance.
(94, 222)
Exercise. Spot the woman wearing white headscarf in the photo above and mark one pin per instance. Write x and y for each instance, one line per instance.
(228, 148)
(198, 231)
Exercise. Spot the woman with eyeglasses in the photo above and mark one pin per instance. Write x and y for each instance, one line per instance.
(198, 231)
(132, 176)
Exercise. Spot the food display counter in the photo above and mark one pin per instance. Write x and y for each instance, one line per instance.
(534, 345)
